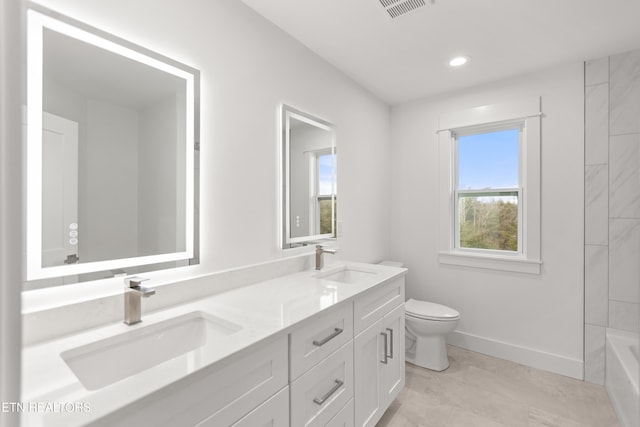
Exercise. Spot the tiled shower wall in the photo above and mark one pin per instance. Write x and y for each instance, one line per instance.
(612, 203)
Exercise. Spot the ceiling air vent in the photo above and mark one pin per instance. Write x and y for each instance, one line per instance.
(397, 8)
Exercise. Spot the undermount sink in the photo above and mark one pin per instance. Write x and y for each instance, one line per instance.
(104, 362)
(347, 274)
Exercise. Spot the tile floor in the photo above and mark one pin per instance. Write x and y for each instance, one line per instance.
(483, 391)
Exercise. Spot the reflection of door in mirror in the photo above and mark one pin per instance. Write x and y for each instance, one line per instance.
(60, 234)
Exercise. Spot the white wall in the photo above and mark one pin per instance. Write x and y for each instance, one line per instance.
(10, 207)
(248, 68)
(108, 225)
(532, 319)
(160, 178)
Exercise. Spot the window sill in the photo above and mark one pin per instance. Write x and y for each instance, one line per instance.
(491, 262)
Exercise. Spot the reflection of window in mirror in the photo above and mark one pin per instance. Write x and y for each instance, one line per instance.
(325, 167)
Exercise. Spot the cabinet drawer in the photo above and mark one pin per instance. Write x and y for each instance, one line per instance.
(215, 396)
(316, 339)
(272, 413)
(236, 389)
(344, 417)
(376, 303)
(318, 395)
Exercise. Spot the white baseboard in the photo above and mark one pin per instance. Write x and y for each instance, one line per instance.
(525, 356)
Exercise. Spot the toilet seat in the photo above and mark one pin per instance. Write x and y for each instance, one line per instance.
(430, 311)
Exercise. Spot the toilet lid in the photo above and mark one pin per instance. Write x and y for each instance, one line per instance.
(430, 310)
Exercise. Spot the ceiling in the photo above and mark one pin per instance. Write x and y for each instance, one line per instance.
(406, 58)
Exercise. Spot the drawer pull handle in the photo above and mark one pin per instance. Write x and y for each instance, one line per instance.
(391, 339)
(386, 348)
(335, 333)
(323, 399)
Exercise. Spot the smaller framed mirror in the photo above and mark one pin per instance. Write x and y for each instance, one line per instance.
(309, 179)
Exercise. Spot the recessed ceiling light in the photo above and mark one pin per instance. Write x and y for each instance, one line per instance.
(459, 61)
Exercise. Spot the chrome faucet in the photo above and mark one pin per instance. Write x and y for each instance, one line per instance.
(319, 259)
(132, 294)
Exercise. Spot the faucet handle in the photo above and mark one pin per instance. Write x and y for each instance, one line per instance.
(321, 249)
(132, 282)
(133, 285)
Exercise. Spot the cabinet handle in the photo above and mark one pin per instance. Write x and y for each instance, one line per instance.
(391, 338)
(336, 332)
(335, 388)
(386, 345)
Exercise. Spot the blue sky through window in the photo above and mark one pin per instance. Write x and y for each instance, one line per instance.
(488, 160)
(324, 174)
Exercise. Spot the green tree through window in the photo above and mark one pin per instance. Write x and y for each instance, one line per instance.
(488, 191)
(490, 223)
(326, 188)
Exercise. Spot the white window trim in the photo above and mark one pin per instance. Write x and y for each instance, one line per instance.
(526, 260)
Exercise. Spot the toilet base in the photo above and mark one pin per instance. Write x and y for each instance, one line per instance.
(430, 353)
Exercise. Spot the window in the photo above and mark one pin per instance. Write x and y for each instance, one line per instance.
(490, 187)
(325, 192)
(487, 194)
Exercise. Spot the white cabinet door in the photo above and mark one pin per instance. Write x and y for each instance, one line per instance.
(368, 355)
(272, 413)
(379, 367)
(393, 372)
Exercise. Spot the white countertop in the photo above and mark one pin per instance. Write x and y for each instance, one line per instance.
(265, 310)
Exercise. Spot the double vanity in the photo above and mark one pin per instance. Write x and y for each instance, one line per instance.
(310, 348)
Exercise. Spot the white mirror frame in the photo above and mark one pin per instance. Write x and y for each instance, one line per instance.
(36, 23)
(286, 114)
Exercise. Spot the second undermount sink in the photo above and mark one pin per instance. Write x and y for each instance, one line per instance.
(112, 359)
(347, 274)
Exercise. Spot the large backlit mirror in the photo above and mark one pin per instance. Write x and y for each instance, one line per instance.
(112, 172)
(309, 184)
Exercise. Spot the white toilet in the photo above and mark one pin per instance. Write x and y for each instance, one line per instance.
(427, 325)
